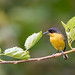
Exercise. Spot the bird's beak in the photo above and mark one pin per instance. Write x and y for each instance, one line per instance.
(45, 32)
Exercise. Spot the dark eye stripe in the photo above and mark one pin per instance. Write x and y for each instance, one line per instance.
(54, 30)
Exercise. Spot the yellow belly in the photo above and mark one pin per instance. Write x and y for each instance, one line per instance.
(58, 42)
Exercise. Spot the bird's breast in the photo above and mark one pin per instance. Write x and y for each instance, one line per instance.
(58, 42)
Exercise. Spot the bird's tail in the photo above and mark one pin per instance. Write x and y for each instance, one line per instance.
(65, 56)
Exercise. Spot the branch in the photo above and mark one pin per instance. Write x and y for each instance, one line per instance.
(37, 59)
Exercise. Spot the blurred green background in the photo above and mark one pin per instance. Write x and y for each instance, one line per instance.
(21, 18)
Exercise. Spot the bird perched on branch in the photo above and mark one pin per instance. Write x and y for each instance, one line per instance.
(57, 40)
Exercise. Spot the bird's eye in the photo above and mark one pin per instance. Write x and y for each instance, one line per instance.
(51, 31)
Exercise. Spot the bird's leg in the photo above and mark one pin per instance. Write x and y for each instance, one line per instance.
(62, 52)
(55, 53)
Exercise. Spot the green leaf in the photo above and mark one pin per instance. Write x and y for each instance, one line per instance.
(17, 52)
(0, 50)
(32, 40)
(65, 26)
(71, 37)
(71, 23)
(70, 30)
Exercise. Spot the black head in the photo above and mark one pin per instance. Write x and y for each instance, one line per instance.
(54, 30)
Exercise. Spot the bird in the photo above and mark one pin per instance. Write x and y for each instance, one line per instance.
(57, 39)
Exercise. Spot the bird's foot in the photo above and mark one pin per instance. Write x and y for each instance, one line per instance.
(53, 55)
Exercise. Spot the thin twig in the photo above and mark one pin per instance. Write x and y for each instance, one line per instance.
(37, 59)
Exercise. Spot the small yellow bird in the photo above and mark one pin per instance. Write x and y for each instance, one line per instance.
(57, 39)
